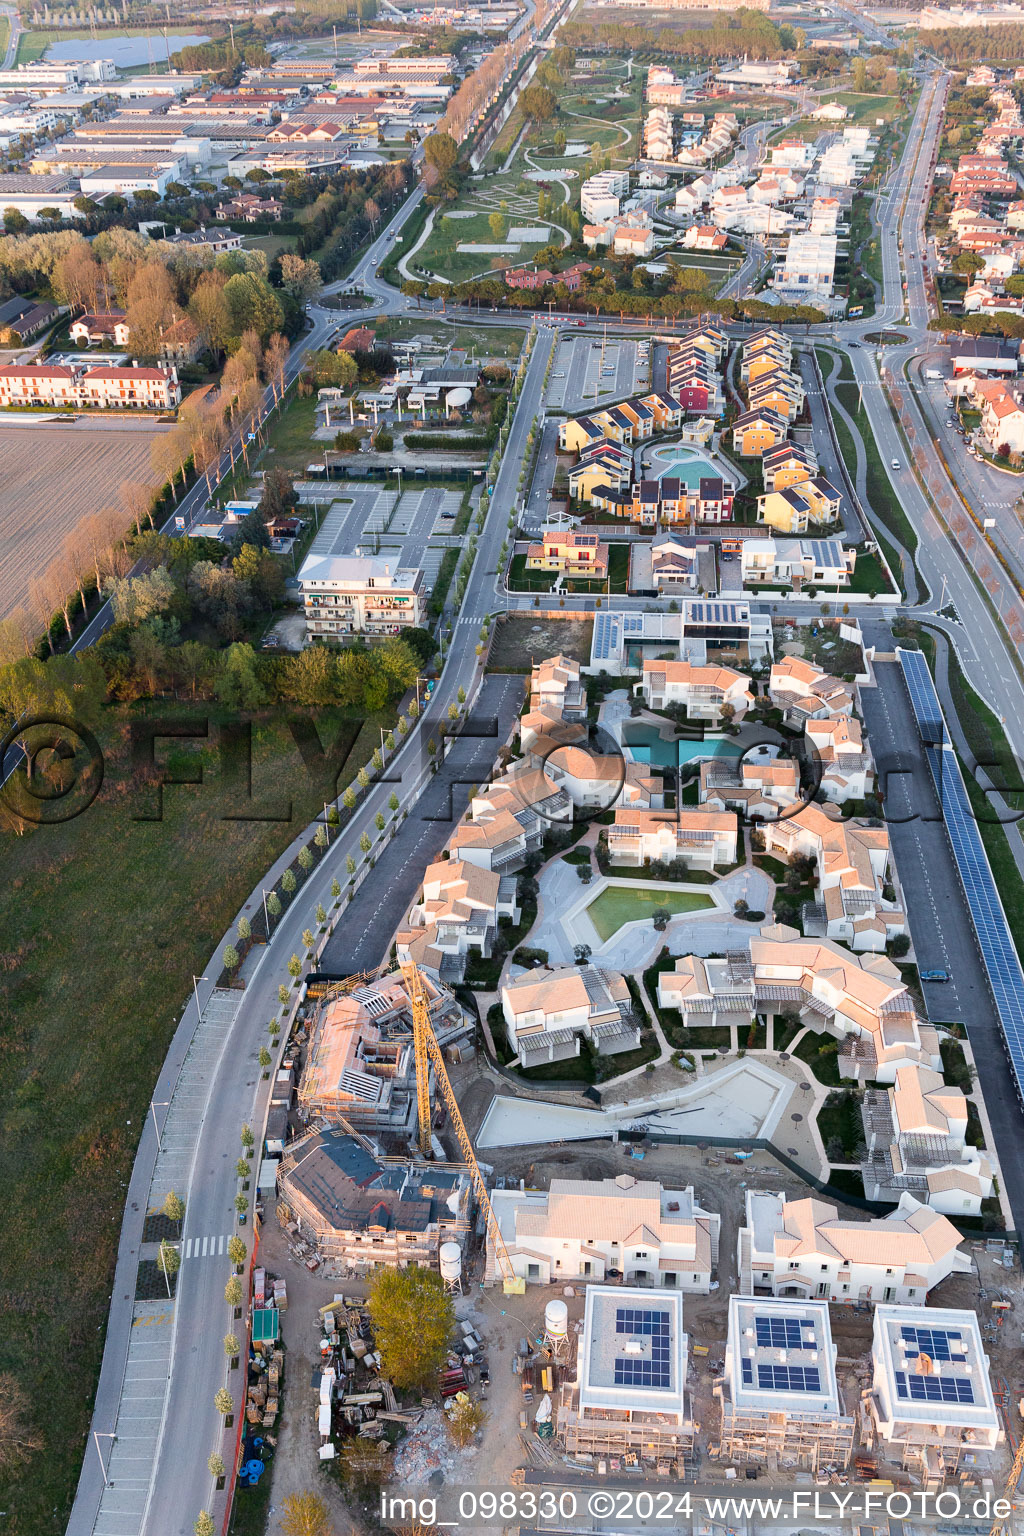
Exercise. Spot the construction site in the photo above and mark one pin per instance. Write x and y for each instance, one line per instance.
(603, 1364)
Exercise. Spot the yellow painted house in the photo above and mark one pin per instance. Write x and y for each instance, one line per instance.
(809, 505)
(766, 361)
(787, 465)
(579, 433)
(755, 431)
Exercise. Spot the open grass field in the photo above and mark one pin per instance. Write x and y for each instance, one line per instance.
(503, 343)
(104, 920)
(617, 905)
(53, 479)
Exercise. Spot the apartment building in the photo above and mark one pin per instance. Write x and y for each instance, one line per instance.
(359, 594)
(594, 780)
(931, 1409)
(809, 268)
(604, 466)
(509, 818)
(549, 1011)
(583, 1229)
(802, 1248)
(842, 758)
(458, 909)
(361, 1212)
(856, 879)
(569, 553)
(862, 1001)
(800, 508)
(703, 691)
(804, 691)
(797, 563)
(600, 195)
(779, 1396)
(755, 784)
(558, 681)
(699, 837)
(915, 1136)
(360, 1064)
(675, 565)
(629, 1395)
(787, 464)
(756, 430)
(81, 388)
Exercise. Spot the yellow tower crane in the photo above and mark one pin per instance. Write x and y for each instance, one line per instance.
(428, 1053)
(1003, 1527)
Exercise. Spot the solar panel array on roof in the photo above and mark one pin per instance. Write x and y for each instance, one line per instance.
(826, 552)
(607, 637)
(788, 1378)
(654, 1370)
(717, 613)
(747, 1370)
(784, 1332)
(999, 956)
(934, 1342)
(933, 1389)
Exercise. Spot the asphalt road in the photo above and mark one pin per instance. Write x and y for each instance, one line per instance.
(361, 939)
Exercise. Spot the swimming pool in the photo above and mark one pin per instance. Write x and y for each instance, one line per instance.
(687, 464)
(644, 745)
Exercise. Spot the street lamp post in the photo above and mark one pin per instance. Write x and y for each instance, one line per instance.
(266, 914)
(97, 1436)
(154, 1106)
(195, 988)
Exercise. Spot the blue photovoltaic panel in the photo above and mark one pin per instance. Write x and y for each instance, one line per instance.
(999, 956)
(783, 1332)
(654, 1370)
(933, 1389)
(931, 1341)
(788, 1378)
(747, 1367)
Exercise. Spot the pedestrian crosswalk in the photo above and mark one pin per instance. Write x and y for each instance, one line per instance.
(205, 1247)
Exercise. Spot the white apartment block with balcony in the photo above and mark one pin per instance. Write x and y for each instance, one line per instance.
(359, 595)
(797, 563)
(757, 784)
(697, 836)
(802, 1248)
(809, 268)
(857, 899)
(915, 1136)
(550, 1010)
(931, 1408)
(601, 195)
(509, 818)
(703, 691)
(458, 909)
(582, 1229)
(805, 691)
(864, 1004)
(842, 756)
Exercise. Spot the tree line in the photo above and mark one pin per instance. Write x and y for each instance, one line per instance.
(727, 35)
(1003, 44)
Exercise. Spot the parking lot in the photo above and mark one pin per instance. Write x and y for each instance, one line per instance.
(413, 530)
(589, 371)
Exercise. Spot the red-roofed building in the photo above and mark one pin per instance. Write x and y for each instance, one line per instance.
(50, 384)
(359, 339)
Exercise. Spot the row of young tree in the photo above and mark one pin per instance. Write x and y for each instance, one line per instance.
(728, 34)
(1003, 44)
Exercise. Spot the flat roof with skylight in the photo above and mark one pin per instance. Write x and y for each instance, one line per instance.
(780, 1357)
(633, 1355)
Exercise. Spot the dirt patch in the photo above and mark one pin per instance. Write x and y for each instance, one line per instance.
(522, 640)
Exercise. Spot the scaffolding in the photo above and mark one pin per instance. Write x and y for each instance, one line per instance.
(783, 1438)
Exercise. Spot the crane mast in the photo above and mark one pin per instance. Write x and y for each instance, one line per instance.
(428, 1053)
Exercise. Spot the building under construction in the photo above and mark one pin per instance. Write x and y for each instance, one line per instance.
(930, 1408)
(629, 1397)
(363, 1212)
(779, 1398)
(361, 1064)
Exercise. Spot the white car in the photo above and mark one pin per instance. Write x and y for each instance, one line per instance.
(896, 464)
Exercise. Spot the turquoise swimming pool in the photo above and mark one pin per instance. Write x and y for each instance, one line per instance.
(687, 464)
(644, 745)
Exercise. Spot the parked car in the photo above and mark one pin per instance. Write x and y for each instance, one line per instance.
(934, 975)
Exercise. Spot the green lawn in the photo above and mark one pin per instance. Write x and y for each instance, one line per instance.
(865, 108)
(616, 906)
(819, 1051)
(879, 488)
(441, 252)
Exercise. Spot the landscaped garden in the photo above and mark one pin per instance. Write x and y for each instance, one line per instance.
(617, 905)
